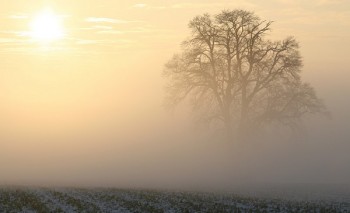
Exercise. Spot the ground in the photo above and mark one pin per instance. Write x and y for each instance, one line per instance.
(42, 200)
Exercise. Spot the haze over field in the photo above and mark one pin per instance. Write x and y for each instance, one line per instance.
(82, 105)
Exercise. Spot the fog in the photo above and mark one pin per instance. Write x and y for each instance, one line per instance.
(92, 114)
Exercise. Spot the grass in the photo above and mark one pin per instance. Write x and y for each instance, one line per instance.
(42, 200)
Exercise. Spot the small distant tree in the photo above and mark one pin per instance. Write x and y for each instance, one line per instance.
(232, 73)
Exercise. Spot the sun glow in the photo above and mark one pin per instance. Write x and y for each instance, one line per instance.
(47, 27)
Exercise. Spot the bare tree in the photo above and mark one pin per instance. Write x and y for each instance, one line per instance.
(232, 73)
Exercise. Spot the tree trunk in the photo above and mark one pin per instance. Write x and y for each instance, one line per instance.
(228, 123)
(242, 126)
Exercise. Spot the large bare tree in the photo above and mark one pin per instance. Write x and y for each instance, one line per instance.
(232, 73)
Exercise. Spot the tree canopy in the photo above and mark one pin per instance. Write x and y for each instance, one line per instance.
(232, 73)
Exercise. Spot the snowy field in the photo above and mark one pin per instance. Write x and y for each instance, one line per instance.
(114, 200)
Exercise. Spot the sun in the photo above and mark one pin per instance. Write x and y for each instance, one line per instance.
(47, 27)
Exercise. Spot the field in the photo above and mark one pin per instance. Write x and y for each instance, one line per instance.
(42, 200)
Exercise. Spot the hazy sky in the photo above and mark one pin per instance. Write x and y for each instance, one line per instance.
(69, 108)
